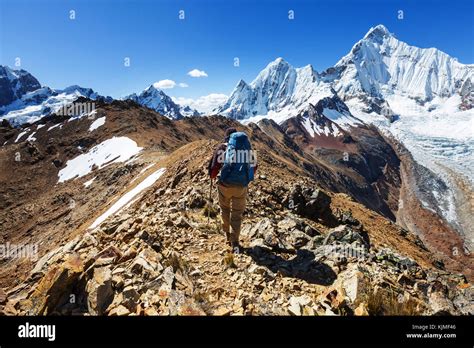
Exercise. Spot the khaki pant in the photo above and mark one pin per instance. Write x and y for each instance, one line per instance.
(232, 200)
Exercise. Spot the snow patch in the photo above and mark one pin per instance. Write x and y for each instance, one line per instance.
(89, 182)
(309, 126)
(341, 119)
(52, 127)
(127, 197)
(116, 149)
(20, 135)
(97, 123)
(31, 137)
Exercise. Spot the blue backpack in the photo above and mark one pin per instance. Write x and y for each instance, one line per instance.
(238, 168)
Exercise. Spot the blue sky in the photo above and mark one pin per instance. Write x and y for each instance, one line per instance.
(90, 50)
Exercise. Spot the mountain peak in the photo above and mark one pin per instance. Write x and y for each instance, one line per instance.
(278, 62)
(275, 71)
(15, 84)
(378, 31)
(154, 98)
(241, 84)
(154, 87)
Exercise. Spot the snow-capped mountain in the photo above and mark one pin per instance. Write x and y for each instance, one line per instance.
(14, 84)
(29, 102)
(382, 68)
(155, 99)
(313, 121)
(279, 88)
(385, 75)
(188, 111)
(421, 96)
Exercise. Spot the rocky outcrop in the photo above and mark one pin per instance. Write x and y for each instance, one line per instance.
(163, 257)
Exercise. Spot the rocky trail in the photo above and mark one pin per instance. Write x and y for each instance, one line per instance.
(305, 252)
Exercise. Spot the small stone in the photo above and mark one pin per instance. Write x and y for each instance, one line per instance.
(151, 311)
(361, 310)
(119, 311)
(118, 270)
(287, 224)
(308, 311)
(294, 308)
(100, 292)
(130, 297)
(3, 297)
(181, 222)
(403, 279)
(222, 311)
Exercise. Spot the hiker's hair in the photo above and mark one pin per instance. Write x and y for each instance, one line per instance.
(228, 132)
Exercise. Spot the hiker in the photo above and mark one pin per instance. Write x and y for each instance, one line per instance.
(236, 162)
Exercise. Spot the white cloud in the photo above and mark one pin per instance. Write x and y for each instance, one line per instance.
(197, 73)
(165, 84)
(183, 85)
(204, 104)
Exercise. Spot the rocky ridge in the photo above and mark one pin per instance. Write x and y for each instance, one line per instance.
(164, 255)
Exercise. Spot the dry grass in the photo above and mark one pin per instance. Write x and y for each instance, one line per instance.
(210, 210)
(177, 262)
(202, 299)
(385, 302)
(229, 261)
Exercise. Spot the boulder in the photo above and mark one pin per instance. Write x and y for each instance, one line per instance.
(297, 304)
(288, 224)
(291, 223)
(309, 202)
(99, 291)
(110, 252)
(298, 239)
(345, 234)
(147, 262)
(355, 285)
(119, 311)
(346, 218)
(258, 229)
(394, 259)
(196, 199)
(130, 297)
(167, 278)
(55, 287)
